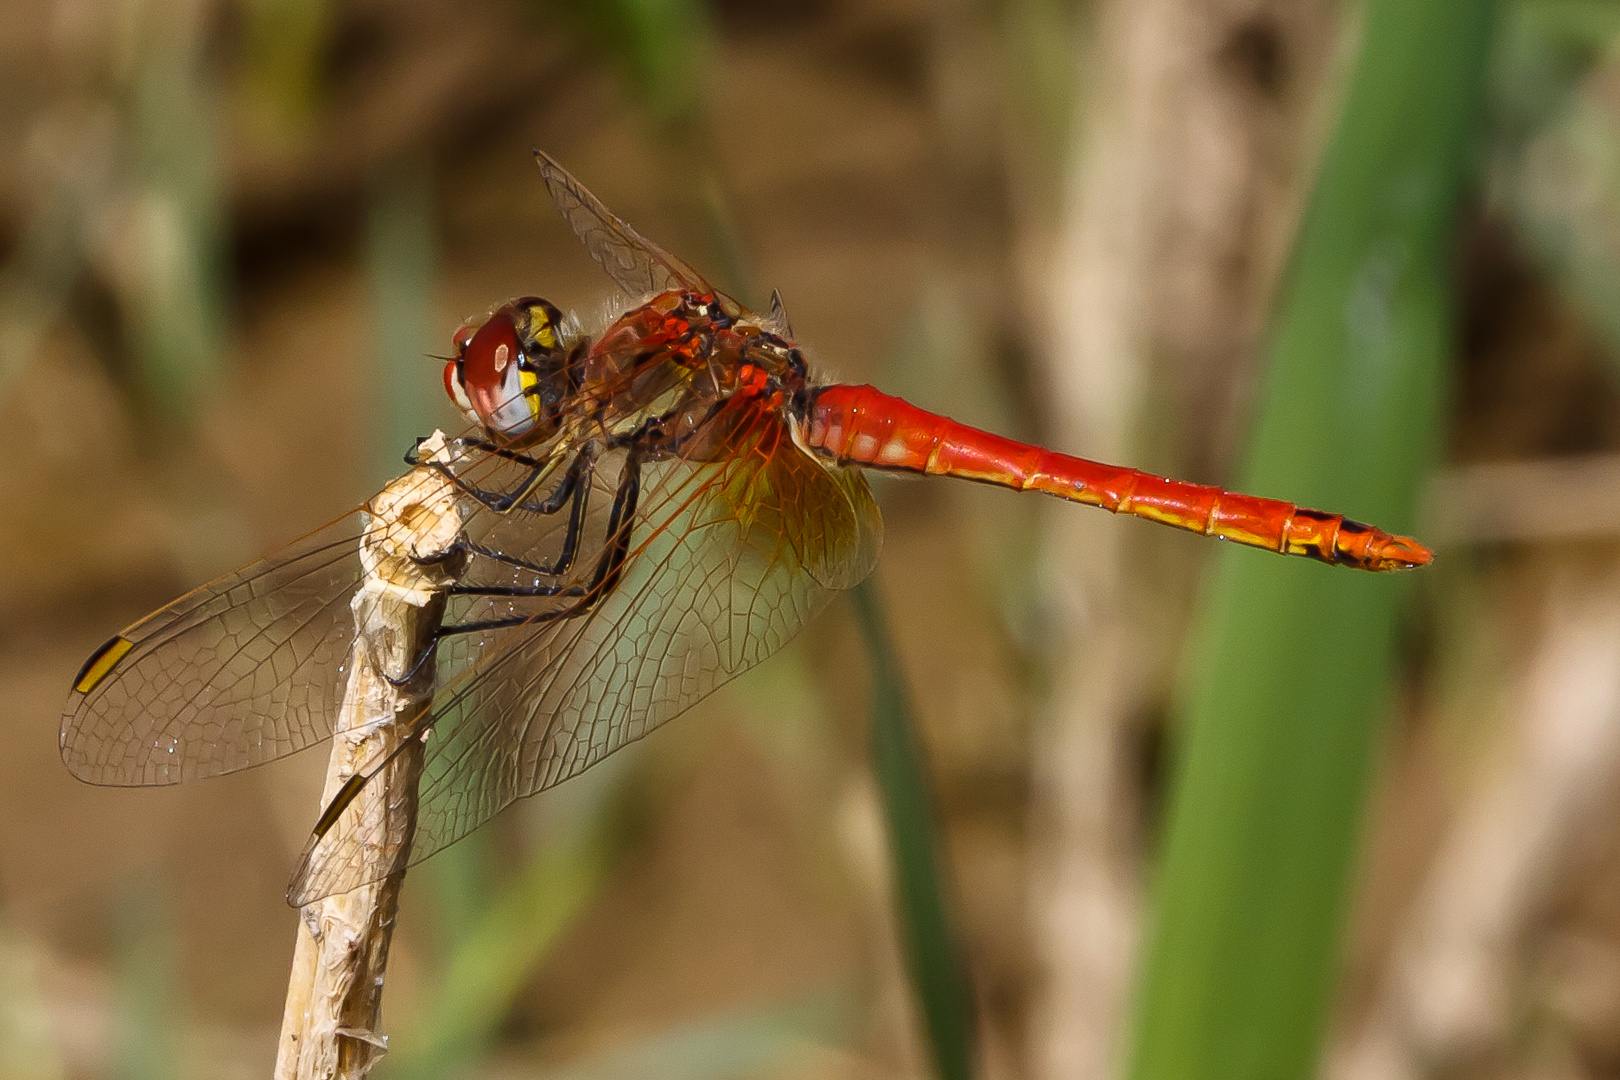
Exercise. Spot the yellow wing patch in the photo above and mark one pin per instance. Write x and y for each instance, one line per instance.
(101, 663)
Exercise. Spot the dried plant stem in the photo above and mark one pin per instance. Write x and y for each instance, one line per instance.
(1456, 983)
(334, 996)
(1560, 498)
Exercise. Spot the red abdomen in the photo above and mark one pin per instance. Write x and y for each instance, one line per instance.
(861, 425)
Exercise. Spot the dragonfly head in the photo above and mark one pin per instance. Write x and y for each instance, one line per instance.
(514, 372)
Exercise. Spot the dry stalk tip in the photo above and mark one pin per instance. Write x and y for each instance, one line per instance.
(334, 996)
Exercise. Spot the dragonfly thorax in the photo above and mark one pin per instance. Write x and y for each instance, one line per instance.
(666, 372)
(515, 373)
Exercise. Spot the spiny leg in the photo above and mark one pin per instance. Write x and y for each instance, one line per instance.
(580, 476)
(500, 503)
(621, 520)
(413, 456)
(577, 484)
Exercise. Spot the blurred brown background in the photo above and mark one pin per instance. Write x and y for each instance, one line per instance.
(232, 230)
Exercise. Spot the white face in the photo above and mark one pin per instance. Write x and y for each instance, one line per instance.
(488, 380)
(514, 411)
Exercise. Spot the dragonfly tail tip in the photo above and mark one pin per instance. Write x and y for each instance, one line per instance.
(1403, 553)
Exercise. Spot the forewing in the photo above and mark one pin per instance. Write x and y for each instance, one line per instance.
(636, 264)
(244, 670)
(729, 559)
(248, 668)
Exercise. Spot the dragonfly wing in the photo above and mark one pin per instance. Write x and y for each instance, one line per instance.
(246, 669)
(779, 317)
(241, 671)
(636, 264)
(729, 560)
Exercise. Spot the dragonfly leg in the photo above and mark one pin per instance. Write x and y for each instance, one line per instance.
(577, 486)
(502, 503)
(413, 456)
(583, 463)
(574, 490)
(620, 520)
(516, 590)
(579, 478)
(500, 557)
(465, 547)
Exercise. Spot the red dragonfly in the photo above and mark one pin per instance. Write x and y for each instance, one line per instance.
(650, 510)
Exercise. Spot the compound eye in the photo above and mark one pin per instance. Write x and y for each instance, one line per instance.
(454, 387)
(463, 338)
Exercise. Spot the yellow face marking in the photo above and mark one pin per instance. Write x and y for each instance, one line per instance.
(527, 382)
(540, 328)
(101, 663)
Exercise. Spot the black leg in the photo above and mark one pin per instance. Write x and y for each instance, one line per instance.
(576, 516)
(413, 456)
(494, 500)
(516, 590)
(503, 624)
(578, 470)
(621, 522)
(496, 556)
(475, 443)
(577, 486)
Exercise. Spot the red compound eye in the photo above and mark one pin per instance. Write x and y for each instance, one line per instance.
(452, 386)
(484, 362)
(463, 338)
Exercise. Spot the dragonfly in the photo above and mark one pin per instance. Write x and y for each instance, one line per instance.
(651, 507)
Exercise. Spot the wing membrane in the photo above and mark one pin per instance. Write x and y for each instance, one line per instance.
(730, 559)
(245, 669)
(241, 671)
(636, 264)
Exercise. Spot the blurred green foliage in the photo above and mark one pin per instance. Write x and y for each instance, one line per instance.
(1556, 151)
(751, 1042)
(144, 1017)
(1292, 663)
(939, 975)
(177, 312)
(283, 51)
(661, 48)
(1543, 50)
(492, 956)
(403, 262)
(39, 274)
